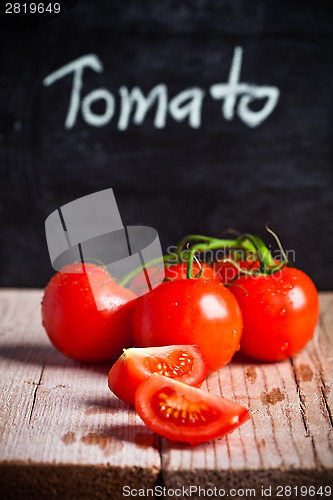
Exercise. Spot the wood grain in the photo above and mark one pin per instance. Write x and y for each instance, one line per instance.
(60, 428)
(63, 434)
(288, 440)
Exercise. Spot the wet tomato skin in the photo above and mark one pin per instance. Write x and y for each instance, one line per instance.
(280, 313)
(227, 272)
(191, 311)
(187, 414)
(180, 362)
(73, 322)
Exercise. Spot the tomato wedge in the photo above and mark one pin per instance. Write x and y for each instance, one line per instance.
(180, 362)
(183, 413)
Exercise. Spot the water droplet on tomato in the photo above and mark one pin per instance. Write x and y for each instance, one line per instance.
(285, 346)
(282, 312)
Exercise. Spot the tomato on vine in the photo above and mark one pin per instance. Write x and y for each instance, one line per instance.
(227, 270)
(280, 313)
(279, 303)
(74, 323)
(190, 311)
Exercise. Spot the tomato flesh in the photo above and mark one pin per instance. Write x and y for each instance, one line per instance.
(191, 311)
(187, 414)
(180, 362)
(175, 408)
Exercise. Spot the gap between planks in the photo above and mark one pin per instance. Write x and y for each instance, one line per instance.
(314, 352)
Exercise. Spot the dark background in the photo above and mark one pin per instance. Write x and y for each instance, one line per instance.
(177, 179)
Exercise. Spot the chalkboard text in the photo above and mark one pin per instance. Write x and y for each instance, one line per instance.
(236, 98)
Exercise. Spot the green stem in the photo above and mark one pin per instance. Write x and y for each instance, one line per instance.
(126, 279)
(187, 239)
(208, 243)
(266, 260)
(245, 242)
(189, 273)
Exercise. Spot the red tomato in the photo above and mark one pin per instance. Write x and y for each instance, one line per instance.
(172, 272)
(191, 311)
(74, 324)
(280, 313)
(179, 272)
(180, 362)
(227, 272)
(139, 281)
(183, 413)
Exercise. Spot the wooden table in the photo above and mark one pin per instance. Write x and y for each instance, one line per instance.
(64, 435)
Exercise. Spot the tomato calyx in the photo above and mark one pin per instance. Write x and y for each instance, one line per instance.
(245, 247)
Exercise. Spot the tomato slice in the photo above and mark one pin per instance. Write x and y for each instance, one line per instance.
(180, 362)
(183, 413)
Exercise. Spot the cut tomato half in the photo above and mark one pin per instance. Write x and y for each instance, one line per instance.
(183, 413)
(180, 362)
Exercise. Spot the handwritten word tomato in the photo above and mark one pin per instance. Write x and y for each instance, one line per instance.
(183, 413)
(280, 312)
(190, 311)
(72, 320)
(180, 362)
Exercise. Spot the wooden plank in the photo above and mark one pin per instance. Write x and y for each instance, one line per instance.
(288, 440)
(62, 433)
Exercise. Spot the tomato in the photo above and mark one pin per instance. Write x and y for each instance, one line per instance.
(179, 271)
(183, 413)
(72, 320)
(227, 272)
(280, 313)
(191, 311)
(180, 362)
(172, 272)
(139, 281)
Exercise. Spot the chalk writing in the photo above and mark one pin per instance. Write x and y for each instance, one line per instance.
(187, 105)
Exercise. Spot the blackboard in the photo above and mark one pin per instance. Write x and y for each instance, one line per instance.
(234, 128)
